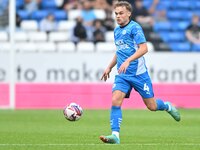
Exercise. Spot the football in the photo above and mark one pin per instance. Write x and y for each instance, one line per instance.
(73, 112)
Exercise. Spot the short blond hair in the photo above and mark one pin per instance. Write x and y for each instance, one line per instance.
(125, 4)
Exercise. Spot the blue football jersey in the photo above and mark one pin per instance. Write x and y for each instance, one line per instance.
(127, 39)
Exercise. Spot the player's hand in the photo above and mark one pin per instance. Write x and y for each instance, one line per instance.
(123, 67)
(106, 74)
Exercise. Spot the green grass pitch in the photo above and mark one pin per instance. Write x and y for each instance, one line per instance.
(140, 129)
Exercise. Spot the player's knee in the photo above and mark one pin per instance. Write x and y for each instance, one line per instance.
(116, 101)
(152, 107)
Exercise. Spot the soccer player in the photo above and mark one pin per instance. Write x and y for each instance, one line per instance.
(132, 71)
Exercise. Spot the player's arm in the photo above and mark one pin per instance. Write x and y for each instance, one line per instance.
(139, 53)
(106, 73)
(140, 39)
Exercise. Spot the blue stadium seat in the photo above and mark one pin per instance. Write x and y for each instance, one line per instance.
(177, 36)
(19, 4)
(163, 4)
(162, 26)
(60, 15)
(23, 14)
(180, 25)
(39, 15)
(182, 4)
(147, 3)
(196, 5)
(48, 5)
(197, 12)
(180, 47)
(179, 15)
(196, 47)
(171, 37)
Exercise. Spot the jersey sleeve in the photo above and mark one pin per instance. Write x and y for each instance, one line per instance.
(138, 34)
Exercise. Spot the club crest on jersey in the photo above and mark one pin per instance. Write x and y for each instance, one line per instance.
(124, 32)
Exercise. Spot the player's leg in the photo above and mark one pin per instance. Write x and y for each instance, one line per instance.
(158, 104)
(115, 118)
(143, 84)
(155, 105)
(121, 89)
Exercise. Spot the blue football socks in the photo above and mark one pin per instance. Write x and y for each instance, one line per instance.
(161, 105)
(115, 118)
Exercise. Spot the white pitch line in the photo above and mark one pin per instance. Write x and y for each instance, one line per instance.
(134, 144)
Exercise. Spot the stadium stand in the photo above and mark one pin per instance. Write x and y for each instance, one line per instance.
(163, 36)
(60, 15)
(46, 47)
(48, 5)
(5, 46)
(66, 47)
(179, 14)
(36, 36)
(23, 14)
(105, 47)
(73, 14)
(39, 15)
(3, 36)
(180, 46)
(109, 36)
(21, 36)
(29, 25)
(196, 48)
(26, 47)
(3, 13)
(66, 25)
(150, 47)
(85, 47)
(100, 13)
(58, 36)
